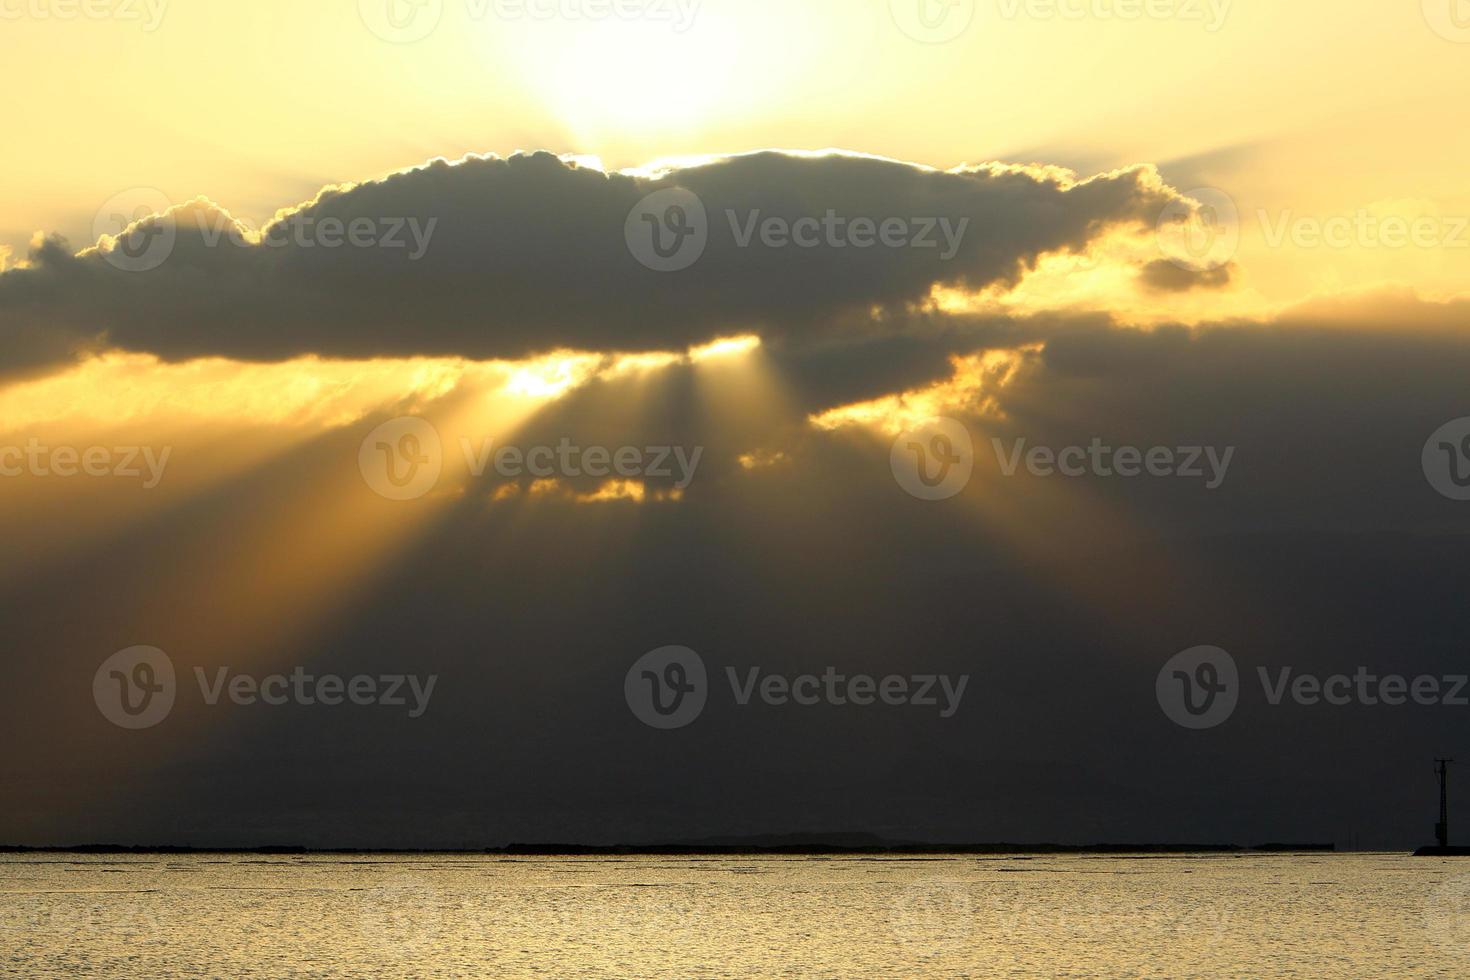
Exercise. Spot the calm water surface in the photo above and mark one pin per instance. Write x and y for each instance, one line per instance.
(1350, 915)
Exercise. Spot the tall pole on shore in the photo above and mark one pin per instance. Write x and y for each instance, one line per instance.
(1442, 829)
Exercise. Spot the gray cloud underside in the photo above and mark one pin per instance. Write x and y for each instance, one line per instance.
(1324, 549)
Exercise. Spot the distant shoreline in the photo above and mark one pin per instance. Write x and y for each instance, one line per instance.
(693, 848)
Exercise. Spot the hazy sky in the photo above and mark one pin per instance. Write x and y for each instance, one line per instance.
(1230, 231)
(1320, 107)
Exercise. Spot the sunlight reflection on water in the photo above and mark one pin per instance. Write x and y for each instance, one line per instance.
(748, 916)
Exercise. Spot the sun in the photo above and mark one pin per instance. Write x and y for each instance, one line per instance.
(637, 74)
(610, 78)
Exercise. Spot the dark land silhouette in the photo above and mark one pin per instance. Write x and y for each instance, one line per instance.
(835, 843)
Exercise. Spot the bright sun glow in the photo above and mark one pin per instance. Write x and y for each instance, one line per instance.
(971, 389)
(724, 347)
(551, 376)
(603, 76)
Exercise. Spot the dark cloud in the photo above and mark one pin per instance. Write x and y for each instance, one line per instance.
(1163, 276)
(1325, 549)
(528, 254)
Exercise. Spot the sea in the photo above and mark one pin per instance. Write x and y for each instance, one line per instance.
(470, 915)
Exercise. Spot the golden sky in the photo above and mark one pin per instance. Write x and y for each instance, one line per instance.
(1318, 108)
(1326, 126)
